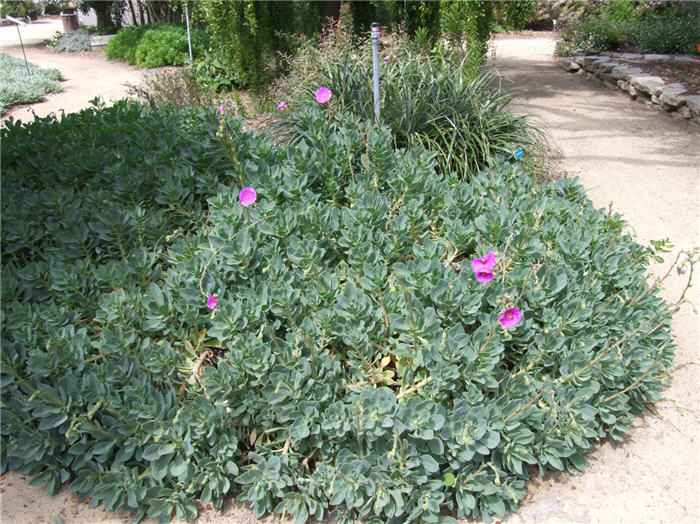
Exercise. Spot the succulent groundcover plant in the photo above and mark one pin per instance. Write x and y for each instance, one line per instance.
(350, 336)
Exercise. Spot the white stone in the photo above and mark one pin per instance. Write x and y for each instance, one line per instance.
(571, 66)
(623, 85)
(693, 103)
(686, 59)
(607, 66)
(628, 56)
(657, 57)
(685, 112)
(648, 84)
(671, 96)
(624, 72)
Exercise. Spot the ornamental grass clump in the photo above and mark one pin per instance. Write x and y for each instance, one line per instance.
(326, 350)
(445, 105)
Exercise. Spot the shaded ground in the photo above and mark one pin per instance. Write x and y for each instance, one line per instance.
(642, 161)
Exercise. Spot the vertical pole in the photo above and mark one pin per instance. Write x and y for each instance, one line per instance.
(187, 21)
(375, 64)
(23, 53)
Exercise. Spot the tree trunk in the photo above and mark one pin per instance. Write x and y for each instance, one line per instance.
(103, 10)
(133, 13)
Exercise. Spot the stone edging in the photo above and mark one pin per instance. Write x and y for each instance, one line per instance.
(639, 85)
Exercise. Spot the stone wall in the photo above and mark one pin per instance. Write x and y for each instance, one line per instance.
(609, 69)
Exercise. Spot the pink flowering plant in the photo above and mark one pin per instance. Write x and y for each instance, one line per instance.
(338, 340)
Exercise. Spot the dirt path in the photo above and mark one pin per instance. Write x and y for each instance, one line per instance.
(647, 164)
(87, 75)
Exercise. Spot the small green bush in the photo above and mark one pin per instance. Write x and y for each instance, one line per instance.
(353, 368)
(123, 45)
(155, 45)
(73, 42)
(16, 87)
(167, 45)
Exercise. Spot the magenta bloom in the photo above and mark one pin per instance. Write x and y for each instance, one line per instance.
(484, 264)
(386, 59)
(212, 302)
(222, 109)
(281, 105)
(484, 276)
(510, 317)
(247, 196)
(323, 95)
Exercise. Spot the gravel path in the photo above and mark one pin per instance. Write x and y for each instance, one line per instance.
(646, 164)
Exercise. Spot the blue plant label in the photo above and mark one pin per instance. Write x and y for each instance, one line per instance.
(519, 153)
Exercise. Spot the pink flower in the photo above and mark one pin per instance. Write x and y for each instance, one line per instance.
(484, 276)
(386, 59)
(281, 105)
(484, 264)
(510, 317)
(222, 109)
(212, 302)
(323, 95)
(247, 196)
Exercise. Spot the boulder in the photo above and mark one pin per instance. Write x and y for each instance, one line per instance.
(647, 83)
(693, 103)
(686, 59)
(657, 57)
(624, 72)
(671, 96)
(685, 112)
(571, 66)
(628, 56)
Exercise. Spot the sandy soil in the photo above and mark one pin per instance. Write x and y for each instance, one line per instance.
(87, 75)
(645, 163)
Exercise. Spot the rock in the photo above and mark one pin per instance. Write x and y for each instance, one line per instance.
(670, 96)
(654, 99)
(686, 59)
(571, 66)
(685, 112)
(632, 91)
(657, 57)
(647, 83)
(623, 85)
(607, 66)
(628, 56)
(624, 72)
(693, 103)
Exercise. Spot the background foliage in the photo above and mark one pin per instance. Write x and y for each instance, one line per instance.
(660, 26)
(155, 45)
(354, 367)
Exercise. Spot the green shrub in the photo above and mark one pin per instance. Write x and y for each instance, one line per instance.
(353, 367)
(167, 45)
(18, 88)
(123, 45)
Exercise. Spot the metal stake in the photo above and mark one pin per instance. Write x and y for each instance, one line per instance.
(17, 23)
(375, 64)
(189, 40)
